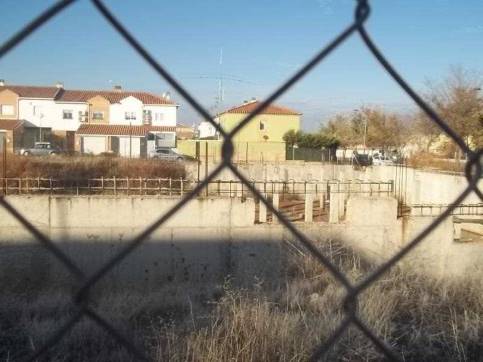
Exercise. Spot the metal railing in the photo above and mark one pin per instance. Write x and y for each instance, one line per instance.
(81, 300)
(438, 209)
(180, 186)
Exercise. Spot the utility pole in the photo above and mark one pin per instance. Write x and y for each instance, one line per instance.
(365, 132)
(221, 92)
(40, 128)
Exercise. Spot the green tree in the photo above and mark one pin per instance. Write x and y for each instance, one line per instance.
(292, 137)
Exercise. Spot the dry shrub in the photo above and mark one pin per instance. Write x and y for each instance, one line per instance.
(426, 160)
(422, 319)
(84, 167)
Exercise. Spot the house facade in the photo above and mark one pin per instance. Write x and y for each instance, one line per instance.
(269, 126)
(66, 117)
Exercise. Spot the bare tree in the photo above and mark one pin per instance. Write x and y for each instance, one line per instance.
(458, 99)
(371, 126)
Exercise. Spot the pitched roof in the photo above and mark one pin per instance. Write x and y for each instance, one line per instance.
(66, 95)
(10, 124)
(32, 91)
(121, 130)
(112, 96)
(271, 109)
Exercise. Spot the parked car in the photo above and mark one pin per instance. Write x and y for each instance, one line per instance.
(168, 154)
(378, 159)
(40, 149)
(359, 159)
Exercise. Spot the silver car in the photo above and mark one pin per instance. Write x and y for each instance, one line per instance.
(40, 149)
(167, 154)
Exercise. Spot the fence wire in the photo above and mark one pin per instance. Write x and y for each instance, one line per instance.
(473, 172)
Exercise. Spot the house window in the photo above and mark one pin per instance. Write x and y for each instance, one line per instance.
(147, 117)
(82, 116)
(37, 111)
(262, 126)
(7, 110)
(98, 115)
(159, 116)
(67, 114)
(130, 116)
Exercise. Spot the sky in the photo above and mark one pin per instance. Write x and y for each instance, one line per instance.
(263, 43)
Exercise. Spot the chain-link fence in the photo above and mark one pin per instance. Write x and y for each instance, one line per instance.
(473, 172)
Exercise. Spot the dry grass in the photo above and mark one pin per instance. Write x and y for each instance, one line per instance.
(84, 167)
(423, 320)
(426, 160)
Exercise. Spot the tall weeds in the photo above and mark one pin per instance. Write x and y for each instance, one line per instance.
(84, 167)
(422, 319)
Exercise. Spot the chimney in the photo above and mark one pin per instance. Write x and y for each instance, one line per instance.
(2, 83)
(254, 99)
(117, 88)
(59, 85)
(167, 96)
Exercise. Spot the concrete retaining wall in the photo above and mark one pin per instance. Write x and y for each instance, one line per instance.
(374, 229)
(200, 243)
(422, 187)
(207, 242)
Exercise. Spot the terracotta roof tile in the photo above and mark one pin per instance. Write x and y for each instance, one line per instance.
(10, 124)
(67, 95)
(121, 130)
(31, 91)
(113, 97)
(271, 109)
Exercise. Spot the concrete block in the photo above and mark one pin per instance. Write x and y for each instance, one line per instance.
(309, 207)
(276, 205)
(342, 199)
(457, 231)
(371, 211)
(262, 212)
(334, 208)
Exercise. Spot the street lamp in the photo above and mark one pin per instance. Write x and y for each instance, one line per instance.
(130, 139)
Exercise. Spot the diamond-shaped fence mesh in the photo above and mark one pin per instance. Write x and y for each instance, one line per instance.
(473, 172)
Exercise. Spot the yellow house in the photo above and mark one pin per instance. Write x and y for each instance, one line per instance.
(269, 126)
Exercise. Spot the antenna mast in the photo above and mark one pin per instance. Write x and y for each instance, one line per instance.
(221, 91)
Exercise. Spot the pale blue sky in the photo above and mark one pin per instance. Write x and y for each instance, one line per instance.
(263, 41)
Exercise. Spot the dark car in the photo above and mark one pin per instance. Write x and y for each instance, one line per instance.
(360, 159)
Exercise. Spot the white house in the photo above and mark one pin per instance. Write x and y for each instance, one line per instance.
(206, 130)
(60, 113)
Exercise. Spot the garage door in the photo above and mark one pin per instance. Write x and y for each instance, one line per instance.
(127, 143)
(94, 145)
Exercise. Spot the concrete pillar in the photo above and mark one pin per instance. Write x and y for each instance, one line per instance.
(334, 208)
(262, 212)
(342, 198)
(239, 190)
(309, 207)
(457, 231)
(276, 205)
